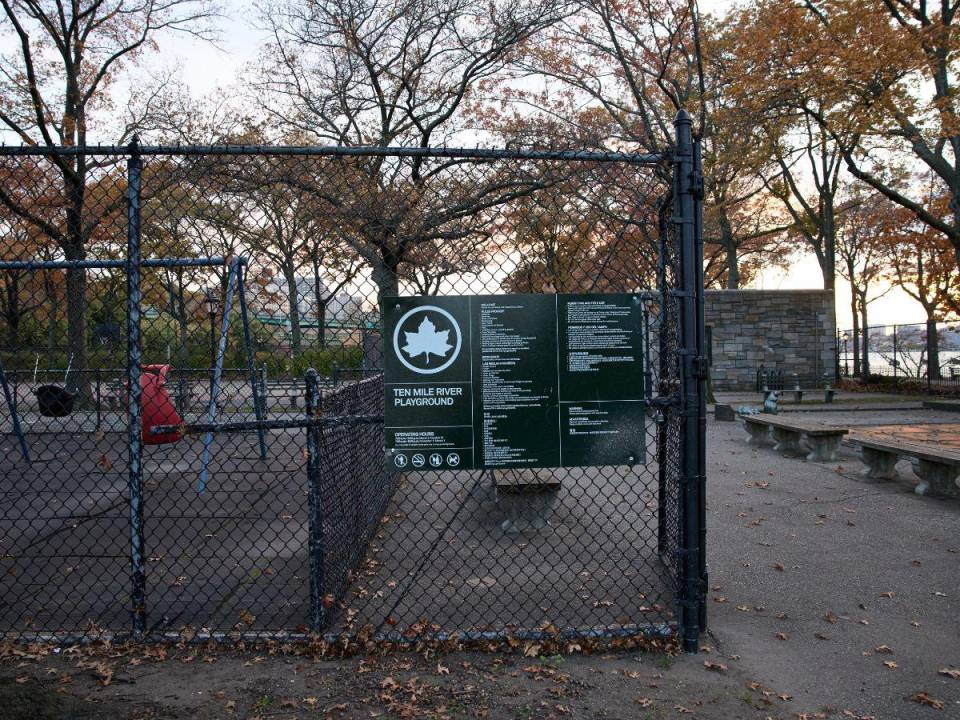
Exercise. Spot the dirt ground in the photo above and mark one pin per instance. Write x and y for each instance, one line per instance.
(830, 597)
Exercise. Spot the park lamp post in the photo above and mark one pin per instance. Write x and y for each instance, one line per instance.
(846, 358)
(212, 304)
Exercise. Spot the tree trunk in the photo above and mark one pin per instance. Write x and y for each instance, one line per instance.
(53, 308)
(827, 269)
(855, 314)
(933, 348)
(384, 274)
(182, 318)
(320, 299)
(76, 291)
(829, 266)
(74, 248)
(293, 301)
(865, 362)
(851, 274)
(322, 322)
(730, 250)
(12, 309)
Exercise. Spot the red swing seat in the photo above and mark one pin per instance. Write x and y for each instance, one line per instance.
(157, 405)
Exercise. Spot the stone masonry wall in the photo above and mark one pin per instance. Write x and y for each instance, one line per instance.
(789, 330)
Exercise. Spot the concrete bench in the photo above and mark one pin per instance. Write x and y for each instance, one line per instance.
(765, 386)
(829, 393)
(823, 440)
(526, 496)
(291, 392)
(937, 467)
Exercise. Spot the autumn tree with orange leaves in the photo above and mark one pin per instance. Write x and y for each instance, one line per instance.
(921, 261)
(614, 76)
(879, 77)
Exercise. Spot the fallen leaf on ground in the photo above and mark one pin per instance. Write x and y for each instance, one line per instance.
(715, 666)
(883, 649)
(950, 673)
(891, 664)
(922, 698)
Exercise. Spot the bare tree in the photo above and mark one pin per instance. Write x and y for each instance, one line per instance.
(397, 73)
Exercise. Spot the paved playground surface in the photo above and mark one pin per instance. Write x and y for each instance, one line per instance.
(831, 596)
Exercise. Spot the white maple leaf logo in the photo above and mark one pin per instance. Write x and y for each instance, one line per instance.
(427, 341)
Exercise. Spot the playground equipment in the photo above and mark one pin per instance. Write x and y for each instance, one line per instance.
(149, 404)
(55, 400)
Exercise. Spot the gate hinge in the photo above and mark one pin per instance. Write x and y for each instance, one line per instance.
(696, 184)
(701, 367)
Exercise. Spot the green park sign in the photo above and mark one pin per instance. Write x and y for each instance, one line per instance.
(507, 381)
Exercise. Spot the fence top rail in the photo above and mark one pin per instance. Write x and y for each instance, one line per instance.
(107, 264)
(339, 150)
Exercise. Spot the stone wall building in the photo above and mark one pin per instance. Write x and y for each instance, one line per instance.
(789, 330)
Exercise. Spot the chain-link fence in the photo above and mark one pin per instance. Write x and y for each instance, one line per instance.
(213, 487)
(919, 356)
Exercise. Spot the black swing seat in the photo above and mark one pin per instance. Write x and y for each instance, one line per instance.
(55, 400)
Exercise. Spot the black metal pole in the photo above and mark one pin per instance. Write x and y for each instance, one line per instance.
(315, 539)
(703, 374)
(134, 393)
(685, 183)
(662, 416)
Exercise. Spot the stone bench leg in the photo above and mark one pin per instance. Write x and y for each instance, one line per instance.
(936, 478)
(881, 465)
(759, 435)
(788, 441)
(526, 509)
(823, 448)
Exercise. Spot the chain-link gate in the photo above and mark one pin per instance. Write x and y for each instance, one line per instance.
(193, 435)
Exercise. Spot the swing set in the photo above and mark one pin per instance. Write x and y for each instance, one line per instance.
(148, 402)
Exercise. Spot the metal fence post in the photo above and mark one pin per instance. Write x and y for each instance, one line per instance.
(314, 509)
(704, 361)
(687, 184)
(134, 395)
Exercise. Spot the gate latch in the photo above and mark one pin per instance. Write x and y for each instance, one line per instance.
(701, 367)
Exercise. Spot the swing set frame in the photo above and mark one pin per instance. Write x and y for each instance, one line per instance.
(132, 266)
